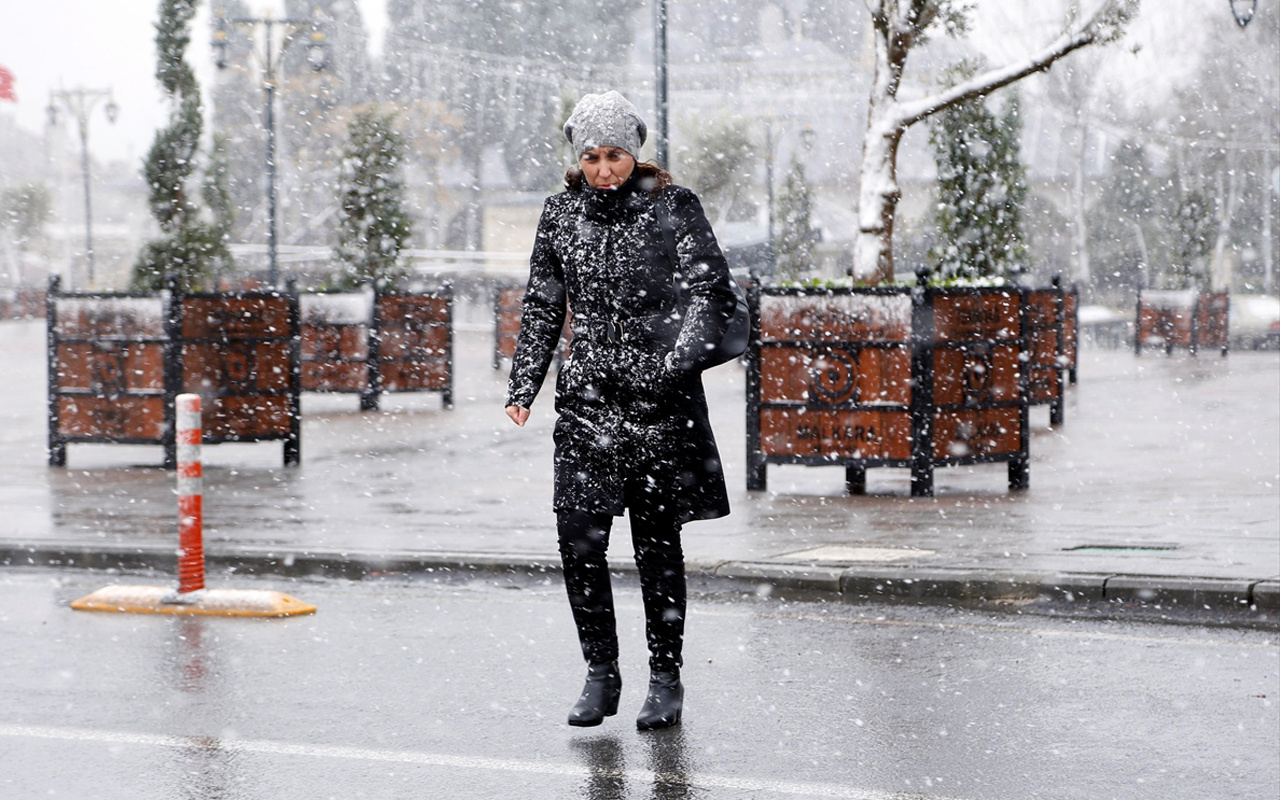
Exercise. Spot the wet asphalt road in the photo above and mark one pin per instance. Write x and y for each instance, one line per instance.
(417, 689)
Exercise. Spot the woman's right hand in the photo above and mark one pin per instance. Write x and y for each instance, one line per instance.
(519, 414)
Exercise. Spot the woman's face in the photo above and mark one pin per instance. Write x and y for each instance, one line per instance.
(606, 167)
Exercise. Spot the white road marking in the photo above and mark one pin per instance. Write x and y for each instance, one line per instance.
(640, 776)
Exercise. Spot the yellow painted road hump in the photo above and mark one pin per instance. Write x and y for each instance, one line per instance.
(208, 602)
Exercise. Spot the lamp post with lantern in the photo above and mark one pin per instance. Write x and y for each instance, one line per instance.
(1243, 11)
(80, 103)
(269, 58)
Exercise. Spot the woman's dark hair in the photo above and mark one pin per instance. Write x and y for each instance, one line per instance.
(653, 177)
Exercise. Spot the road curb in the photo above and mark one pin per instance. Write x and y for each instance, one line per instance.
(1186, 592)
(354, 564)
(940, 584)
(1259, 599)
(1265, 595)
(1074, 587)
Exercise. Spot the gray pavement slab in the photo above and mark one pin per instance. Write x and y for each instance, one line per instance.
(1166, 467)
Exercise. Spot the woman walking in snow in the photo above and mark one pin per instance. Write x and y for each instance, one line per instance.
(632, 431)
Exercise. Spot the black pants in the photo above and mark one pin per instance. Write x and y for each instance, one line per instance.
(584, 539)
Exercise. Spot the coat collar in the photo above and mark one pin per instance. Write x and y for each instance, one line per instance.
(612, 206)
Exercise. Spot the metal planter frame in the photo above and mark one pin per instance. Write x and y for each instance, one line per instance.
(112, 378)
(919, 377)
(1188, 319)
(402, 343)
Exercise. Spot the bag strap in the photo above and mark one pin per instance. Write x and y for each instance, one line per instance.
(669, 237)
(668, 232)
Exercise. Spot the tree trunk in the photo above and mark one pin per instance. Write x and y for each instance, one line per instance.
(878, 198)
(1223, 267)
(878, 191)
(1080, 228)
(1268, 265)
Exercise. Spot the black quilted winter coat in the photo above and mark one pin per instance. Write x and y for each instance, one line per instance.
(630, 418)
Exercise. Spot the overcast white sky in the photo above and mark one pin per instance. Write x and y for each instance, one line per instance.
(99, 44)
(109, 43)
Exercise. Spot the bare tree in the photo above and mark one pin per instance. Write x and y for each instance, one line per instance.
(1075, 91)
(900, 25)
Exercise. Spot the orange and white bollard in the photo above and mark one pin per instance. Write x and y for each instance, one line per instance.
(190, 495)
(191, 597)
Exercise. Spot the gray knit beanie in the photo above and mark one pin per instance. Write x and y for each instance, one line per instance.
(605, 120)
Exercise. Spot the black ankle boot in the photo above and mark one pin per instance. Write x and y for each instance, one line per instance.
(663, 704)
(599, 695)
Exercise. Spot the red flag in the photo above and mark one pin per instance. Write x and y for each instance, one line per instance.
(6, 85)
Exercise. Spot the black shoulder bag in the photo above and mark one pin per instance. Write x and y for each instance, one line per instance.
(738, 334)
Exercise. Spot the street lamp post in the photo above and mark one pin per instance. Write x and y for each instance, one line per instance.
(769, 145)
(662, 106)
(317, 57)
(80, 103)
(1243, 11)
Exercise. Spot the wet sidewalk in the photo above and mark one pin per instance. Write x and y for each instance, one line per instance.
(1163, 485)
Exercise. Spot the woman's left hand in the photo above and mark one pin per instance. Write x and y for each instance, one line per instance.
(519, 414)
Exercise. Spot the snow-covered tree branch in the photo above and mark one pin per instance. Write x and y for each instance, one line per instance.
(900, 25)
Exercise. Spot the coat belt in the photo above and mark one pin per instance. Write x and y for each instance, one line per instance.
(656, 329)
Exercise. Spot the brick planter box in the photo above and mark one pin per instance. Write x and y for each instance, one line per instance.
(1187, 319)
(917, 377)
(370, 343)
(118, 360)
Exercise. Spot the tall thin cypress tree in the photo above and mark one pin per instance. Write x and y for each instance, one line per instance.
(188, 248)
(373, 225)
(982, 188)
(795, 225)
(1193, 241)
(1124, 224)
